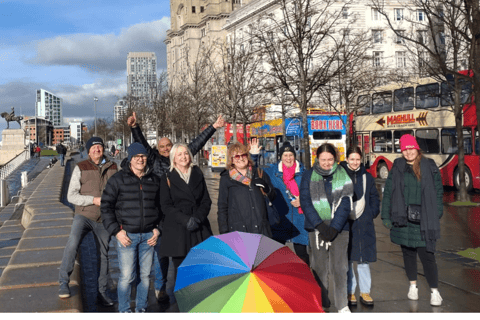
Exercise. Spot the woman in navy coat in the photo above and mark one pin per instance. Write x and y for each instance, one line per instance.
(362, 246)
(286, 178)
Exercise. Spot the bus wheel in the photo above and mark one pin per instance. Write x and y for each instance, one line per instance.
(382, 171)
(468, 179)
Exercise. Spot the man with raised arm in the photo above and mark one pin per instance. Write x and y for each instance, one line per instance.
(160, 162)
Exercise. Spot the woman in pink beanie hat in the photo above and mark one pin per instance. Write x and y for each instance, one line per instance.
(411, 208)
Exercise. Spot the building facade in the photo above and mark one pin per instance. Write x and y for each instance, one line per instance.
(61, 135)
(142, 75)
(195, 23)
(38, 130)
(76, 132)
(49, 107)
(120, 110)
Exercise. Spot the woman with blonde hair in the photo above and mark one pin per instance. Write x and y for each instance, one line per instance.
(185, 204)
(241, 202)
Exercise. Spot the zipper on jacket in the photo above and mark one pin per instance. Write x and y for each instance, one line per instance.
(142, 218)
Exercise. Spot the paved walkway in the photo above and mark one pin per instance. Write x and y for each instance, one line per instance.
(31, 248)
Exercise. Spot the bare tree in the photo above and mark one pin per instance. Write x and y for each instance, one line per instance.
(297, 47)
(442, 40)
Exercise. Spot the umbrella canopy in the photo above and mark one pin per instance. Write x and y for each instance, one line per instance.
(244, 272)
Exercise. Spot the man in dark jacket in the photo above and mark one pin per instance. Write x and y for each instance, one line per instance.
(160, 162)
(62, 151)
(130, 211)
(85, 190)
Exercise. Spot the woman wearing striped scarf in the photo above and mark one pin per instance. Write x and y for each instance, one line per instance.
(326, 196)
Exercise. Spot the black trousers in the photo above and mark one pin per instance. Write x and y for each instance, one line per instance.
(428, 262)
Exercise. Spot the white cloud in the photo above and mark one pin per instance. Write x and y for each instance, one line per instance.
(104, 52)
(102, 89)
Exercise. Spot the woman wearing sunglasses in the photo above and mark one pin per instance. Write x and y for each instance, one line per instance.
(241, 203)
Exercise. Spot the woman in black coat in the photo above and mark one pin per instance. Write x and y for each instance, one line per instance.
(241, 203)
(363, 243)
(186, 204)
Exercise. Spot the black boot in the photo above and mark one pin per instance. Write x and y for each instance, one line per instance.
(104, 300)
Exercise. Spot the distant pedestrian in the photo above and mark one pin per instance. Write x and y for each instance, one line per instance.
(186, 204)
(412, 206)
(81, 149)
(112, 150)
(326, 197)
(286, 177)
(363, 244)
(62, 151)
(85, 190)
(131, 211)
(37, 151)
(241, 203)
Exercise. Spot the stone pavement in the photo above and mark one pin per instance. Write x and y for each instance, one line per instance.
(29, 282)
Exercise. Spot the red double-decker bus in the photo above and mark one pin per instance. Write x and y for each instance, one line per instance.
(425, 111)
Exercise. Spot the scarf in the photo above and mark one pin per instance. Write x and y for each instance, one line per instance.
(237, 176)
(289, 180)
(429, 221)
(341, 187)
(185, 176)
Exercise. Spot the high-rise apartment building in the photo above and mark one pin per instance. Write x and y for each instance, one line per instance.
(76, 131)
(49, 106)
(119, 110)
(141, 75)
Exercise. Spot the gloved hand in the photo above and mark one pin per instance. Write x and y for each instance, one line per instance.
(322, 228)
(327, 233)
(259, 182)
(331, 234)
(192, 224)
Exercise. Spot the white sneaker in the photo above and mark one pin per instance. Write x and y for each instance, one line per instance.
(436, 299)
(413, 293)
(344, 310)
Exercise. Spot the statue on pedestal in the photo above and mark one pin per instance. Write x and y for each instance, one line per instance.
(11, 117)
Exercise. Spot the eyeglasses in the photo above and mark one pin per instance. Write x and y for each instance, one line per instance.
(240, 156)
(139, 156)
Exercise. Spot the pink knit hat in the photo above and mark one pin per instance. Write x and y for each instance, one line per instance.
(407, 141)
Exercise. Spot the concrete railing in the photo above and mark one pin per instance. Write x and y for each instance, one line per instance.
(13, 164)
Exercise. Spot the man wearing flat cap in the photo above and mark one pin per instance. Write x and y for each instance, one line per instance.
(85, 191)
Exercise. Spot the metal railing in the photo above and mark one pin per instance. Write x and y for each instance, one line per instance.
(13, 164)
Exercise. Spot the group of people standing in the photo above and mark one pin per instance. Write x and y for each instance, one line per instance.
(330, 210)
(157, 207)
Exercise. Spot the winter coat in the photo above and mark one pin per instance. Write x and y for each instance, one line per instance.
(61, 149)
(181, 201)
(312, 219)
(161, 164)
(363, 244)
(131, 203)
(241, 207)
(409, 235)
(291, 226)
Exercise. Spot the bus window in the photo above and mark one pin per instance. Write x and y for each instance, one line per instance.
(269, 144)
(449, 141)
(382, 141)
(447, 97)
(327, 135)
(428, 140)
(427, 96)
(477, 143)
(397, 134)
(363, 105)
(403, 99)
(382, 102)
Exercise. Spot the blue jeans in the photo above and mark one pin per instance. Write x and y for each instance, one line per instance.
(80, 227)
(364, 278)
(160, 265)
(62, 160)
(138, 251)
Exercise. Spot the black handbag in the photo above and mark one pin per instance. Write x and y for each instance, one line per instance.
(272, 213)
(413, 212)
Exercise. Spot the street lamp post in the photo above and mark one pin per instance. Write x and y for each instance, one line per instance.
(95, 108)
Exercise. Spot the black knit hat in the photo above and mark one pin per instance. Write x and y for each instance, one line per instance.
(92, 141)
(287, 147)
(134, 149)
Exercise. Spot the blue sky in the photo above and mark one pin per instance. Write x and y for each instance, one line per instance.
(75, 49)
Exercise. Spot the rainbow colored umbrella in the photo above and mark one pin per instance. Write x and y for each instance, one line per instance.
(244, 272)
